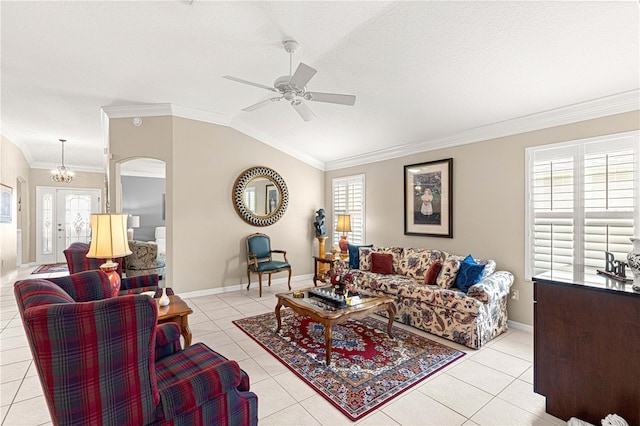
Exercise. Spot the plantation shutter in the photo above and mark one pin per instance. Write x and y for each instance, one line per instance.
(583, 200)
(348, 198)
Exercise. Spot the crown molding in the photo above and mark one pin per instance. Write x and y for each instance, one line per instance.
(268, 140)
(142, 110)
(200, 115)
(596, 108)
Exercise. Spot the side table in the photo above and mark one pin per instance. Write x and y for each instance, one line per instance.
(319, 261)
(177, 311)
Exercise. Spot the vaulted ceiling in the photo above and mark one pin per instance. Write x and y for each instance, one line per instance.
(424, 73)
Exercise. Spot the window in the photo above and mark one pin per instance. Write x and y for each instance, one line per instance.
(583, 199)
(250, 198)
(348, 198)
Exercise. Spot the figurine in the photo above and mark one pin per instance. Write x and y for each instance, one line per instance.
(321, 230)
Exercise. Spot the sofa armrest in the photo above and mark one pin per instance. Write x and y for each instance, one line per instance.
(167, 339)
(194, 390)
(492, 288)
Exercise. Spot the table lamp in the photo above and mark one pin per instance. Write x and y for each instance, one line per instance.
(344, 225)
(133, 223)
(109, 241)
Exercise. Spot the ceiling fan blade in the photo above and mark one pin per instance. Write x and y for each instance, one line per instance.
(250, 83)
(332, 98)
(304, 111)
(303, 74)
(261, 104)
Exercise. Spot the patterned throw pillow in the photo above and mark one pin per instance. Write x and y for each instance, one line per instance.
(382, 263)
(415, 262)
(354, 255)
(448, 273)
(365, 256)
(432, 273)
(470, 273)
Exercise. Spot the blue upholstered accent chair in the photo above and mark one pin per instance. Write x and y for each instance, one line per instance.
(260, 259)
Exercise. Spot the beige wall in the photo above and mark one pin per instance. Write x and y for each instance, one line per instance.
(488, 198)
(205, 236)
(13, 168)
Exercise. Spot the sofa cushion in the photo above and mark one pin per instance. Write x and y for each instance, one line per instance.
(432, 273)
(382, 263)
(381, 284)
(365, 256)
(415, 262)
(469, 274)
(354, 255)
(448, 273)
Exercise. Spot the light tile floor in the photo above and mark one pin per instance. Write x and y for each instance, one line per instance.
(491, 386)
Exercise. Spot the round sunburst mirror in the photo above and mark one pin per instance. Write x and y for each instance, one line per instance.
(260, 196)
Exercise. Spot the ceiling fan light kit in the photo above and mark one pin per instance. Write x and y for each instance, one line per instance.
(292, 88)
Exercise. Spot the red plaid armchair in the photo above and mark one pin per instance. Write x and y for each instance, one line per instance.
(105, 361)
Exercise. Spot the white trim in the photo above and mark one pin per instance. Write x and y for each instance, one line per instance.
(130, 111)
(275, 143)
(596, 108)
(520, 326)
(237, 287)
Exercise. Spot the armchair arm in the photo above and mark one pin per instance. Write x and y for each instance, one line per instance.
(139, 282)
(492, 288)
(253, 259)
(191, 391)
(283, 252)
(167, 339)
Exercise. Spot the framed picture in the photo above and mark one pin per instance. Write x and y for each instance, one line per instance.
(6, 193)
(271, 198)
(428, 198)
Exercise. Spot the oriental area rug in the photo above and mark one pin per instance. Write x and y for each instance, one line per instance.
(51, 268)
(367, 369)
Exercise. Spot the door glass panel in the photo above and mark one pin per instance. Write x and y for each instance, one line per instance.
(77, 211)
(47, 223)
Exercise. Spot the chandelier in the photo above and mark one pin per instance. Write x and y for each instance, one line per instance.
(62, 174)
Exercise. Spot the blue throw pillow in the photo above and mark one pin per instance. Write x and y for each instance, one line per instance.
(469, 274)
(354, 255)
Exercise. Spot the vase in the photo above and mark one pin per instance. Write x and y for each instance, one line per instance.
(164, 299)
(633, 259)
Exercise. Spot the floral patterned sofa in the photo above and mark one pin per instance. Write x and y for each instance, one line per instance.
(470, 318)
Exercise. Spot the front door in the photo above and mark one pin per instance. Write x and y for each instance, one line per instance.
(62, 218)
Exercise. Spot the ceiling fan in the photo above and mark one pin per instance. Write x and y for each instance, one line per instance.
(292, 88)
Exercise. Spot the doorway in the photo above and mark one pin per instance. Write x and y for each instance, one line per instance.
(62, 218)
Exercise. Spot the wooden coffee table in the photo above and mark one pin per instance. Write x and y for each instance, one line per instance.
(306, 306)
(177, 311)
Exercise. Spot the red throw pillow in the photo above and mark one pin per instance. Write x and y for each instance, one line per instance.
(382, 263)
(432, 273)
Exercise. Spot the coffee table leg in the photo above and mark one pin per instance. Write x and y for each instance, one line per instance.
(327, 343)
(391, 309)
(278, 306)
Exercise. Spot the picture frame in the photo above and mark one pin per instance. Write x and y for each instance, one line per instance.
(6, 195)
(270, 199)
(428, 199)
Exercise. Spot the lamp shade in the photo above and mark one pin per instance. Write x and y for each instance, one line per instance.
(108, 236)
(344, 223)
(135, 221)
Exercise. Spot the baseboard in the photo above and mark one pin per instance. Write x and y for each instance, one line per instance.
(228, 289)
(520, 326)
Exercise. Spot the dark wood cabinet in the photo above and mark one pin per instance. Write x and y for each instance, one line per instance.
(587, 346)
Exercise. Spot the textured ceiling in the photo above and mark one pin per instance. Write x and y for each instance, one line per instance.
(421, 71)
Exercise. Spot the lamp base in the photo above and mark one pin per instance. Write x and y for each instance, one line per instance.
(111, 269)
(344, 247)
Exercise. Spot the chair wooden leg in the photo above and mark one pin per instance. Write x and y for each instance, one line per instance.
(269, 280)
(289, 282)
(248, 279)
(260, 281)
